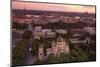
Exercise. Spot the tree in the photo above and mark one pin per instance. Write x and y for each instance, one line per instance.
(78, 53)
(19, 52)
(65, 58)
(39, 61)
(20, 26)
(52, 59)
(27, 34)
(35, 46)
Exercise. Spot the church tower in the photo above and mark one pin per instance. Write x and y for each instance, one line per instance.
(30, 27)
(67, 49)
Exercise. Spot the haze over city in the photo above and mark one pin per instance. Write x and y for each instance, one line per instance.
(52, 7)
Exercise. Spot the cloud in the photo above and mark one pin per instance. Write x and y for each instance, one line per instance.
(52, 7)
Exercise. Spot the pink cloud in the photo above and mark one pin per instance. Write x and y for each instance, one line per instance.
(52, 7)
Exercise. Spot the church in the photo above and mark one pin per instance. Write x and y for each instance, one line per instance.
(58, 46)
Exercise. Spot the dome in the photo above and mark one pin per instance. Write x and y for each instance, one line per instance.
(60, 39)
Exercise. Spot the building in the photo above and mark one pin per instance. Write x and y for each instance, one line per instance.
(62, 46)
(30, 27)
(61, 31)
(38, 32)
(50, 35)
(57, 47)
(90, 30)
(45, 33)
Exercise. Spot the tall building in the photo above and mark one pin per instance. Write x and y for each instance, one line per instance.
(30, 27)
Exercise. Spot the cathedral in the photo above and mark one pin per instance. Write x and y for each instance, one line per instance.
(58, 46)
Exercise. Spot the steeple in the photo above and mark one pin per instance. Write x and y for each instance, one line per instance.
(30, 27)
(24, 11)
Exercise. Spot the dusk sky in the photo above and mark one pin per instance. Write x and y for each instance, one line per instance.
(52, 7)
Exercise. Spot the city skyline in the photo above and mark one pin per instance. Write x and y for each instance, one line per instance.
(48, 33)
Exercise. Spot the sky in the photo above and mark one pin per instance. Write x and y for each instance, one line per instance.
(52, 7)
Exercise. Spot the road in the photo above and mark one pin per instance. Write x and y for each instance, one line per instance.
(29, 59)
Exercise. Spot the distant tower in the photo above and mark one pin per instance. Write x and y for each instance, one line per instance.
(30, 27)
(87, 40)
(24, 12)
(40, 53)
(67, 49)
(21, 32)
